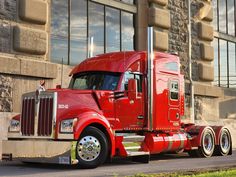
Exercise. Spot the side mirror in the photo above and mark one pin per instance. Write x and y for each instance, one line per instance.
(132, 89)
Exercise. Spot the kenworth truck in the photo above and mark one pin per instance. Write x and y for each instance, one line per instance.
(117, 105)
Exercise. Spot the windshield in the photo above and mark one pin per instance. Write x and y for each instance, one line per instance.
(95, 81)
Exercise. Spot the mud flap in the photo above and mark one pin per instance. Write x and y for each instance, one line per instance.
(73, 153)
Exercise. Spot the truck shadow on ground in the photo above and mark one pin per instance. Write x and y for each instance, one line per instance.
(114, 162)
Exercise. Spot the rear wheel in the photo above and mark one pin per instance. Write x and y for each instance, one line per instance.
(224, 143)
(92, 148)
(207, 145)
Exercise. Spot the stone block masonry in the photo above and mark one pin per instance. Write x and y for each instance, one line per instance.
(30, 41)
(5, 93)
(33, 11)
(5, 37)
(178, 35)
(8, 10)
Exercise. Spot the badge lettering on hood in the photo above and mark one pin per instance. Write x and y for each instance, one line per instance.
(63, 106)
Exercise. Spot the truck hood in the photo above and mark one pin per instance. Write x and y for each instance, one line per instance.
(71, 103)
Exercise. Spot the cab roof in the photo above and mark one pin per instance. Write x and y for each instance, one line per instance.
(118, 61)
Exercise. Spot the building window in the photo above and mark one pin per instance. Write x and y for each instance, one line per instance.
(96, 26)
(224, 43)
(59, 31)
(112, 30)
(78, 37)
(128, 1)
(73, 23)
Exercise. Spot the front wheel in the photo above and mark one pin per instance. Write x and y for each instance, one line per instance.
(92, 148)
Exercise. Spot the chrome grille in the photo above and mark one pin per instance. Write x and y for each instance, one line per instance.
(28, 116)
(38, 115)
(45, 116)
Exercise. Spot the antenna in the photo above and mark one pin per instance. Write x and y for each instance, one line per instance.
(90, 47)
(62, 61)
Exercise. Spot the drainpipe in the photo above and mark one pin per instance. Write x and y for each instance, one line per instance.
(150, 56)
(192, 113)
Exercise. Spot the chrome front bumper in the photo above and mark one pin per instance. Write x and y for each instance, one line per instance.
(42, 151)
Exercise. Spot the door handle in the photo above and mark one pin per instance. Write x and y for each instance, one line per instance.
(177, 115)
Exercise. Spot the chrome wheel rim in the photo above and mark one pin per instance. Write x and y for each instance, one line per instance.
(88, 148)
(208, 143)
(224, 142)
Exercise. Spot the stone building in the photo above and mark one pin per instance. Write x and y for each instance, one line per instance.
(44, 39)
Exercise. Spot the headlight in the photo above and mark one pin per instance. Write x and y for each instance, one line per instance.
(14, 126)
(67, 125)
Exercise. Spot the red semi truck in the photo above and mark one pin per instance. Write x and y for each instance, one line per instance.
(116, 106)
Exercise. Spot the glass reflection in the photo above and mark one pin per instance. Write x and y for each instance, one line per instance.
(128, 1)
(223, 64)
(222, 16)
(88, 19)
(78, 41)
(96, 26)
(232, 65)
(215, 17)
(231, 22)
(127, 29)
(59, 31)
(112, 30)
(216, 64)
(59, 49)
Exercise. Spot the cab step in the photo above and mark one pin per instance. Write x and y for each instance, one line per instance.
(137, 153)
(133, 138)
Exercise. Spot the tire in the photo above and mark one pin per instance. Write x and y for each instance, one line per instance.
(207, 144)
(225, 143)
(92, 148)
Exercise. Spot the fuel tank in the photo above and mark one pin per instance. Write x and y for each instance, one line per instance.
(158, 143)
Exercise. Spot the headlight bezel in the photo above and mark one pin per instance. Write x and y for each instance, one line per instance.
(14, 126)
(67, 126)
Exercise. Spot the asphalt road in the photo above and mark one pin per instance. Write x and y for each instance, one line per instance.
(124, 167)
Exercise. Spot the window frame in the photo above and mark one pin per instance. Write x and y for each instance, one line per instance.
(68, 38)
(230, 39)
(171, 81)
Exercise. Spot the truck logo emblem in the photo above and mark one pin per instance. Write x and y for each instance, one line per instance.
(63, 106)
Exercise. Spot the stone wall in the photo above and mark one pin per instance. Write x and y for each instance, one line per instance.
(178, 36)
(24, 27)
(6, 89)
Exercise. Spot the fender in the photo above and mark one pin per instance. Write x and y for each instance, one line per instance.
(218, 130)
(196, 133)
(88, 118)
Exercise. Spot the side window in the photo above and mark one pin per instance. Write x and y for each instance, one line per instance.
(129, 75)
(172, 66)
(174, 90)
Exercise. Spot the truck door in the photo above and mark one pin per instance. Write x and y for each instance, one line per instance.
(174, 103)
(130, 113)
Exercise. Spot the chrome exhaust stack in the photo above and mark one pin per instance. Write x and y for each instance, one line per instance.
(150, 55)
